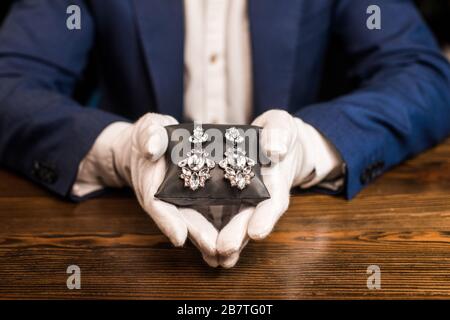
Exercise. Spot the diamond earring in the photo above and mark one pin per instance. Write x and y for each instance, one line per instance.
(237, 166)
(196, 167)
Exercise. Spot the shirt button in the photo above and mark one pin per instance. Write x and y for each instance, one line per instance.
(213, 58)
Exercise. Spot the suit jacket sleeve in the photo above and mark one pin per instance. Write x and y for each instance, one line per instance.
(44, 134)
(402, 104)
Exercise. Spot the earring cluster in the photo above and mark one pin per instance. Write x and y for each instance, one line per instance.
(238, 168)
(195, 169)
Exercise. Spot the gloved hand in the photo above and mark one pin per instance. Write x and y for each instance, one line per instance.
(132, 155)
(300, 156)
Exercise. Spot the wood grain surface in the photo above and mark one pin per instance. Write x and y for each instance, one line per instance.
(321, 248)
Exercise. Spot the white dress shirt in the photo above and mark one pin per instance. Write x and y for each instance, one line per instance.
(217, 82)
(217, 59)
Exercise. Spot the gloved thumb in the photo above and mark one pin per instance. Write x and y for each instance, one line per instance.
(152, 141)
(276, 136)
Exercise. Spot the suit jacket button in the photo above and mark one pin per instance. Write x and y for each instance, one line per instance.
(378, 170)
(365, 177)
(44, 172)
(371, 172)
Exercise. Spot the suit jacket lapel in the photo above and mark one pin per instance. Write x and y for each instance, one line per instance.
(274, 32)
(160, 25)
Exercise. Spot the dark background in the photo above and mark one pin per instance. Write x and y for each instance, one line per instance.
(436, 12)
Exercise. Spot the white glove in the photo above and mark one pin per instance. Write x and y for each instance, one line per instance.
(300, 156)
(132, 155)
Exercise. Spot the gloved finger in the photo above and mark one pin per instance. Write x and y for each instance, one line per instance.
(230, 261)
(201, 231)
(277, 134)
(146, 178)
(212, 261)
(169, 221)
(269, 211)
(234, 234)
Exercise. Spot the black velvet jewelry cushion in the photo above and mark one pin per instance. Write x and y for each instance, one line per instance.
(217, 189)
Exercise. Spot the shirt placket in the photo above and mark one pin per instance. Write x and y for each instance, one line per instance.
(214, 59)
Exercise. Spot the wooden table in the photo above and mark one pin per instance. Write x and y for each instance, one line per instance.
(321, 248)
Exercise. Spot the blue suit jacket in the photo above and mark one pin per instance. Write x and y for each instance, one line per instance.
(394, 86)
